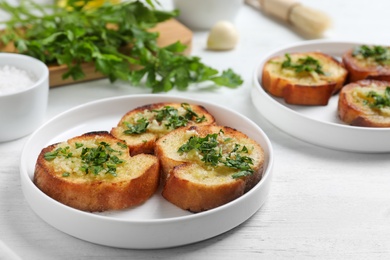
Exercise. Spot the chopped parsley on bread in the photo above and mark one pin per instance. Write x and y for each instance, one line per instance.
(200, 165)
(365, 103)
(368, 62)
(94, 172)
(140, 128)
(307, 78)
(204, 167)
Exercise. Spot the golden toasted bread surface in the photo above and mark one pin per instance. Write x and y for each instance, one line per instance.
(365, 103)
(140, 128)
(307, 78)
(94, 172)
(204, 167)
(368, 62)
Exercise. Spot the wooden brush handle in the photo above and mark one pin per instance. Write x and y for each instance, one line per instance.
(309, 22)
(278, 8)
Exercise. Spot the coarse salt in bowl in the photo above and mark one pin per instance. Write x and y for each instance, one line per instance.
(13, 79)
(24, 88)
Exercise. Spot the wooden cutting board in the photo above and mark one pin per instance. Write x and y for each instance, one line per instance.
(170, 31)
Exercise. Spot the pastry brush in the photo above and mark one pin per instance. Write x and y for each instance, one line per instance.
(310, 22)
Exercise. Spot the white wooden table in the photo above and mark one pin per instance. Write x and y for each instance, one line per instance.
(323, 204)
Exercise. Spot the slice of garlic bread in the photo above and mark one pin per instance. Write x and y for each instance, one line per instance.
(368, 62)
(204, 167)
(94, 172)
(140, 128)
(308, 78)
(365, 103)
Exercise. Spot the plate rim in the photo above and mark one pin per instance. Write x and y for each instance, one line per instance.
(28, 186)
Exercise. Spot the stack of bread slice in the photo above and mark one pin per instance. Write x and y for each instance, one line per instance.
(101, 171)
(365, 101)
(361, 78)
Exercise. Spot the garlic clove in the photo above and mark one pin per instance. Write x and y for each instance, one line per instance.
(222, 36)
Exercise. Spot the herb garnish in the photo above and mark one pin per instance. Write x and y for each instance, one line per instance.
(99, 159)
(175, 120)
(66, 174)
(308, 64)
(379, 101)
(124, 146)
(169, 114)
(138, 128)
(64, 152)
(78, 145)
(379, 54)
(211, 151)
(77, 34)
(190, 114)
(103, 158)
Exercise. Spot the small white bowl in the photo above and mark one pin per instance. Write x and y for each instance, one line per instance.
(23, 110)
(203, 14)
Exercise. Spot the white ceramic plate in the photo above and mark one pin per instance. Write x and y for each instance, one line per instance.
(156, 223)
(318, 125)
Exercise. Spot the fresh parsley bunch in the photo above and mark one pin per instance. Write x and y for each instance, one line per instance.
(74, 34)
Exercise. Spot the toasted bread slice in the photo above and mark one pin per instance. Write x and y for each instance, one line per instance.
(368, 62)
(204, 167)
(94, 172)
(140, 128)
(309, 78)
(365, 103)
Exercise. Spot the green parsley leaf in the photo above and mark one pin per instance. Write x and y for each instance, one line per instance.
(228, 79)
(241, 174)
(100, 159)
(62, 152)
(122, 145)
(138, 128)
(49, 156)
(307, 64)
(175, 120)
(78, 145)
(211, 152)
(74, 35)
(94, 160)
(377, 53)
(379, 101)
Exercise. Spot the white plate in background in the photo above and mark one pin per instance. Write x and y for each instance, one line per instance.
(319, 125)
(156, 223)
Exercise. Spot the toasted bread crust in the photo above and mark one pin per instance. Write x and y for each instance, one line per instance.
(145, 142)
(304, 88)
(132, 186)
(197, 197)
(352, 107)
(364, 69)
(194, 186)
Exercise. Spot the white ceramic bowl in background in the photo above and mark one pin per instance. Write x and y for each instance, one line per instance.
(203, 14)
(22, 111)
(156, 223)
